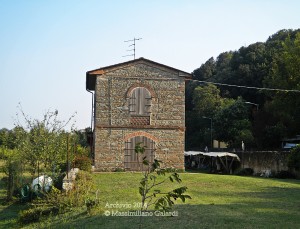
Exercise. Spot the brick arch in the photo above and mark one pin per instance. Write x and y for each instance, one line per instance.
(141, 133)
(152, 92)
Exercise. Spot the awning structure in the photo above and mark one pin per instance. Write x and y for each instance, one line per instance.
(212, 154)
(225, 158)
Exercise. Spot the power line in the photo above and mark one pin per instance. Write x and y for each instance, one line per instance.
(249, 87)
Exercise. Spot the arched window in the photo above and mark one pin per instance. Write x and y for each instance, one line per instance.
(140, 106)
(133, 161)
(140, 102)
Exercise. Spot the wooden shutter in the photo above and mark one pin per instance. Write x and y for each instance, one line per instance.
(132, 161)
(140, 102)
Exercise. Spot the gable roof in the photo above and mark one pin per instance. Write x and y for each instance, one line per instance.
(91, 75)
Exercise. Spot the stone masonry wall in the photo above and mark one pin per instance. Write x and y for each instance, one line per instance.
(260, 161)
(113, 121)
(109, 154)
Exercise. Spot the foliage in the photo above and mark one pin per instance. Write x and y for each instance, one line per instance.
(232, 124)
(7, 138)
(48, 204)
(284, 74)
(83, 137)
(82, 151)
(84, 187)
(273, 64)
(283, 174)
(206, 71)
(91, 204)
(207, 100)
(245, 172)
(83, 163)
(294, 159)
(30, 215)
(37, 146)
(56, 201)
(149, 185)
(13, 169)
(45, 144)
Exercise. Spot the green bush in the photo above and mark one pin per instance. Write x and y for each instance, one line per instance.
(119, 170)
(285, 175)
(30, 215)
(294, 159)
(83, 163)
(58, 180)
(83, 185)
(34, 214)
(245, 172)
(91, 204)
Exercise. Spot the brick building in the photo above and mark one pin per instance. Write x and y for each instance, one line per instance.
(138, 101)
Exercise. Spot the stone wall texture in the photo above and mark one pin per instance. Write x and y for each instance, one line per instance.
(114, 124)
(260, 161)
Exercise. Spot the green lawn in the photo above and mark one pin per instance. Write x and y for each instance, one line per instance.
(219, 201)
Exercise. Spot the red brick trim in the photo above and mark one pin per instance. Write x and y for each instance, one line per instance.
(140, 120)
(142, 127)
(141, 133)
(152, 92)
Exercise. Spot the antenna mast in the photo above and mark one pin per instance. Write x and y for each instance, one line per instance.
(133, 44)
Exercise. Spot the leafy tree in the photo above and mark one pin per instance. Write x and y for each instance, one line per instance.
(13, 168)
(285, 74)
(232, 123)
(7, 138)
(223, 69)
(274, 64)
(207, 103)
(82, 137)
(206, 71)
(43, 144)
(207, 100)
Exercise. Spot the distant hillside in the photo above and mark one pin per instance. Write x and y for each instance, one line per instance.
(273, 64)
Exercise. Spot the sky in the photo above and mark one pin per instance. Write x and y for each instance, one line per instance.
(46, 47)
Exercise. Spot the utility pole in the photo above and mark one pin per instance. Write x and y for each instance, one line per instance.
(133, 44)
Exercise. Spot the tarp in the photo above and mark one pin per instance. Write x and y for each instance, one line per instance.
(42, 182)
(212, 154)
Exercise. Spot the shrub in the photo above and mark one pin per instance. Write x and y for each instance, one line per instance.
(294, 159)
(83, 187)
(30, 215)
(283, 174)
(34, 214)
(91, 204)
(245, 172)
(83, 163)
(119, 170)
(58, 180)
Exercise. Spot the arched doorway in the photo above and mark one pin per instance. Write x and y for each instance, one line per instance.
(133, 161)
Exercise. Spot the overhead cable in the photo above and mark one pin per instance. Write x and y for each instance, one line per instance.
(249, 87)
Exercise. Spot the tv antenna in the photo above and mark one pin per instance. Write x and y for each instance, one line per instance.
(133, 44)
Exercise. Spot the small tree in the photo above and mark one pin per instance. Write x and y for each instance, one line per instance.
(13, 169)
(43, 143)
(150, 182)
